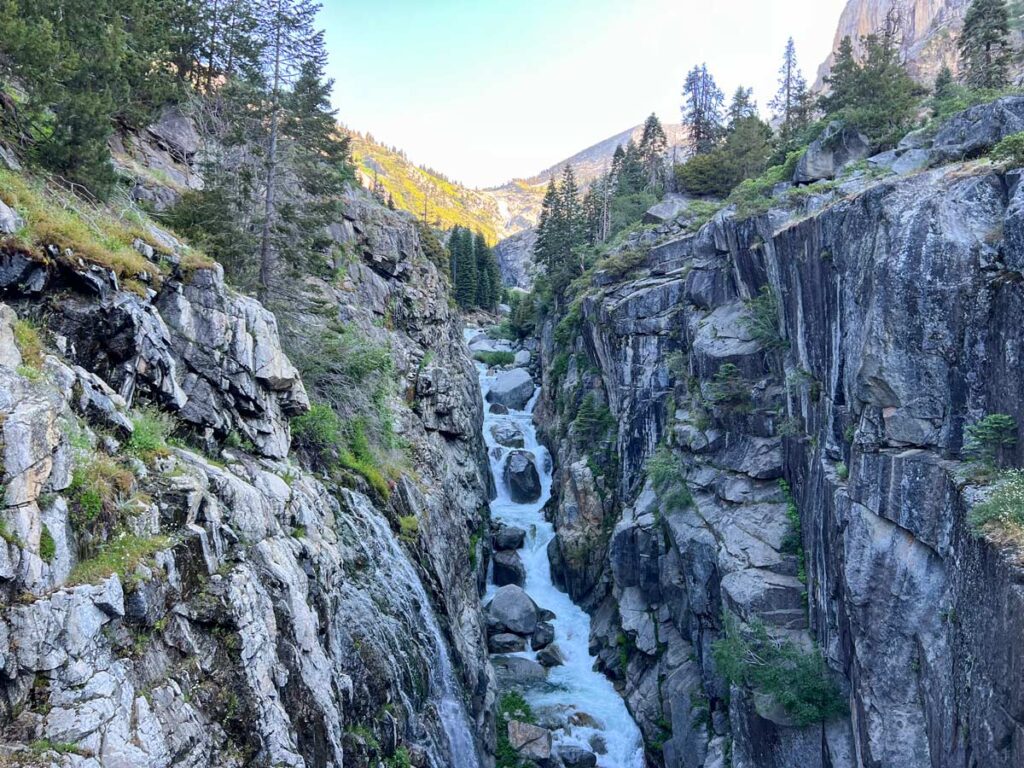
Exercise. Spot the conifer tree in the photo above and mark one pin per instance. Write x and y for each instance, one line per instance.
(791, 106)
(702, 110)
(652, 147)
(985, 44)
(741, 107)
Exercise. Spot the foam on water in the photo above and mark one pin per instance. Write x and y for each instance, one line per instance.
(575, 686)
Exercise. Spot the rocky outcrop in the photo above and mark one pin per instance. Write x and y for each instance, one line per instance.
(212, 602)
(802, 380)
(838, 146)
(930, 31)
(515, 259)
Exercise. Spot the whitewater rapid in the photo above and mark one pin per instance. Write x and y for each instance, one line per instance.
(574, 687)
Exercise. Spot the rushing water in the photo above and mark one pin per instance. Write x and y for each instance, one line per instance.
(575, 686)
(406, 597)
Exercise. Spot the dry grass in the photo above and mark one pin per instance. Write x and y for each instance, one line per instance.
(96, 234)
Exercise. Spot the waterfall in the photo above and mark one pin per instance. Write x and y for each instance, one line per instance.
(574, 687)
(401, 605)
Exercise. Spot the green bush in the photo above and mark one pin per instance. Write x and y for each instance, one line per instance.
(495, 359)
(665, 471)
(120, 555)
(150, 429)
(762, 319)
(47, 546)
(592, 421)
(511, 706)
(29, 342)
(409, 529)
(318, 430)
(1010, 150)
(1001, 515)
(729, 389)
(991, 439)
(799, 681)
(400, 759)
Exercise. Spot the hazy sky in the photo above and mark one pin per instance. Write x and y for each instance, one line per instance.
(488, 90)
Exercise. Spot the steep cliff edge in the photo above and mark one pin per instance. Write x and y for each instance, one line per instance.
(203, 599)
(760, 425)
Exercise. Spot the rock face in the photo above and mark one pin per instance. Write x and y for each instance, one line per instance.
(522, 478)
(930, 32)
(530, 741)
(837, 146)
(515, 259)
(814, 482)
(221, 605)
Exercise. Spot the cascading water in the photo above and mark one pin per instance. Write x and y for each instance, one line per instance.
(574, 687)
(400, 603)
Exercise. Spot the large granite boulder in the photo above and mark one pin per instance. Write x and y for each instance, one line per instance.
(577, 757)
(508, 569)
(839, 145)
(976, 130)
(508, 434)
(508, 537)
(513, 389)
(530, 741)
(522, 478)
(512, 610)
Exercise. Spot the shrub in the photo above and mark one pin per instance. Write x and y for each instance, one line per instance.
(495, 359)
(1001, 515)
(1010, 150)
(47, 546)
(318, 430)
(511, 706)
(729, 389)
(409, 529)
(120, 555)
(96, 490)
(989, 440)
(29, 343)
(400, 759)
(842, 471)
(592, 421)
(150, 429)
(799, 681)
(665, 472)
(762, 319)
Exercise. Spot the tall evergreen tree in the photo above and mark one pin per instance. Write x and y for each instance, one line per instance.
(702, 110)
(652, 147)
(984, 44)
(741, 107)
(791, 106)
(463, 267)
(292, 40)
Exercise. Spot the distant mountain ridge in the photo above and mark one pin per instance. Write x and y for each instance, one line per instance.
(499, 212)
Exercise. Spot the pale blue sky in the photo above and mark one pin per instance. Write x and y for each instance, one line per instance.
(494, 89)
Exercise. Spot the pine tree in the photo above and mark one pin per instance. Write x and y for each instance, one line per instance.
(463, 267)
(985, 45)
(292, 40)
(702, 110)
(652, 147)
(741, 107)
(843, 80)
(791, 106)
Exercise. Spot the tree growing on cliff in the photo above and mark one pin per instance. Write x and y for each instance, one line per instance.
(791, 106)
(984, 45)
(652, 148)
(702, 110)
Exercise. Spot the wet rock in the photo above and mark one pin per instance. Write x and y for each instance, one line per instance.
(506, 643)
(517, 672)
(530, 741)
(577, 757)
(508, 537)
(837, 146)
(550, 656)
(522, 358)
(508, 434)
(543, 636)
(513, 389)
(498, 409)
(522, 478)
(512, 610)
(508, 569)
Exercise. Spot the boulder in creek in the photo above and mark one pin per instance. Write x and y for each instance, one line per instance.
(577, 757)
(508, 537)
(513, 389)
(512, 610)
(839, 145)
(550, 656)
(517, 672)
(508, 569)
(506, 642)
(529, 741)
(543, 636)
(508, 434)
(498, 409)
(522, 357)
(521, 477)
